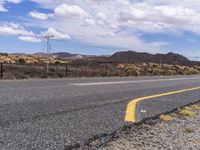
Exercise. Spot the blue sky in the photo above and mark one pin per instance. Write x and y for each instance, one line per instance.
(100, 27)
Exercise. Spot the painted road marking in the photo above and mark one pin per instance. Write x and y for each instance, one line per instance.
(131, 111)
(131, 81)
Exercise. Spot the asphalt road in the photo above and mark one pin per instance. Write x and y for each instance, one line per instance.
(50, 114)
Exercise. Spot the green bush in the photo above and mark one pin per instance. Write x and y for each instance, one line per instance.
(191, 71)
(132, 70)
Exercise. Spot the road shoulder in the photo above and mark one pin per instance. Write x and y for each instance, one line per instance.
(177, 130)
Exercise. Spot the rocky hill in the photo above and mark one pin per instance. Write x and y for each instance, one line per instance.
(136, 57)
(119, 57)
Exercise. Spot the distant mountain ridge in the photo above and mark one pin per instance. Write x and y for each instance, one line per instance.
(136, 57)
(61, 55)
(121, 57)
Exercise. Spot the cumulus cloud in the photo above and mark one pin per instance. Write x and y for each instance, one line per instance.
(102, 22)
(66, 10)
(3, 2)
(29, 39)
(101, 16)
(55, 34)
(154, 16)
(107, 34)
(39, 37)
(38, 15)
(90, 21)
(14, 29)
(119, 22)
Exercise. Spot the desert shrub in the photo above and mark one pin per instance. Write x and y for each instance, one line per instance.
(197, 67)
(21, 61)
(178, 70)
(164, 70)
(132, 70)
(168, 72)
(57, 63)
(191, 71)
(120, 66)
(157, 71)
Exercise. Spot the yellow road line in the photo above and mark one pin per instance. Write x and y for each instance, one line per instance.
(131, 114)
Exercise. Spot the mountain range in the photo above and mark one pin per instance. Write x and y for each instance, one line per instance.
(122, 57)
(136, 57)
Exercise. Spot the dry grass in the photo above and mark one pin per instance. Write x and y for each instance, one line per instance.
(188, 111)
(166, 118)
(14, 59)
(195, 107)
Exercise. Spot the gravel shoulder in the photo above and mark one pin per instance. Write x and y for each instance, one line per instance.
(178, 130)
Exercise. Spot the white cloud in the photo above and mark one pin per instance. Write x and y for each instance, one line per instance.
(55, 34)
(29, 39)
(3, 2)
(48, 3)
(38, 15)
(90, 21)
(118, 22)
(158, 16)
(132, 14)
(101, 16)
(107, 34)
(98, 22)
(14, 29)
(65, 10)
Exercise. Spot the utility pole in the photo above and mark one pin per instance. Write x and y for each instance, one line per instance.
(48, 38)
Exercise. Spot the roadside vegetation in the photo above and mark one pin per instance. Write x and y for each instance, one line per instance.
(24, 67)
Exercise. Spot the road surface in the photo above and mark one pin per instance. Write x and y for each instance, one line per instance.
(50, 114)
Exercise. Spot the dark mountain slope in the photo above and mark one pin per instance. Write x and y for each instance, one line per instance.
(136, 57)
